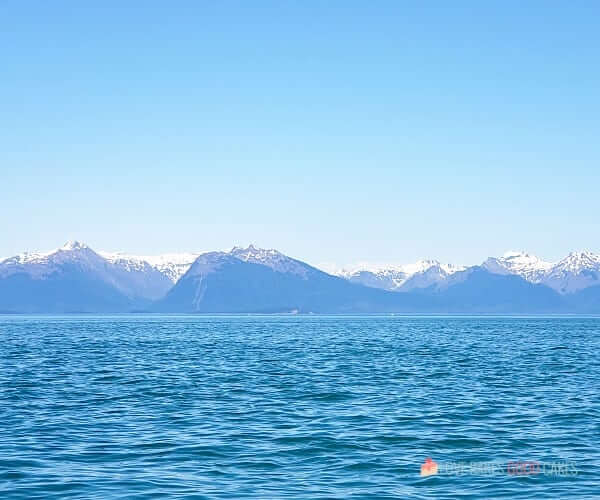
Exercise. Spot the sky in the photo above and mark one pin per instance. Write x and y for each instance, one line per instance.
(336, 132)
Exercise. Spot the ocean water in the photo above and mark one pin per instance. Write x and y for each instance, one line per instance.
(296, 407)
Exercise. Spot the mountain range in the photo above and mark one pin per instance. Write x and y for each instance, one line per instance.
(75, 278)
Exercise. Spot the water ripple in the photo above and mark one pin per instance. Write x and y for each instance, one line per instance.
(296, 407)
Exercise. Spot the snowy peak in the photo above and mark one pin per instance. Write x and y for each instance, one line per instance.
(74, 245)
(523, 260)
(420, 274)
(422, 266)
(41, 264)
(270, 258)
(33, 257)
(252, 253)
(407, 269)
(129, 262)
(131, 276)
(520, 257)
(434, 274)
(576, 262)
(209, 262)
(173, 266)
(528, 266)
(386, 279)
(576, 271)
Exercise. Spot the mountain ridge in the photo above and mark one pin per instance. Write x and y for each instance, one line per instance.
(270, 281)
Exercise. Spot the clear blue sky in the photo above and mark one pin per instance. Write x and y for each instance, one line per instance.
(333, 131)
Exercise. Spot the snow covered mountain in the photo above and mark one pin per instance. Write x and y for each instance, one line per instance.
(72, 278)
(75, 278)
(266, 281)
(173, 266)
(135, 279)
(433, 275)
(384, 279)
(271, 258)
(421, 274)
(41, 264)
(577, 271)
(219, 282)
(131, 280)
(529, 267)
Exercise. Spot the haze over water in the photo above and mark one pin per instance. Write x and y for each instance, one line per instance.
(296, 407)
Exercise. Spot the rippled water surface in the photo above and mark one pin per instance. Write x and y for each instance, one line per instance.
(297, 407)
